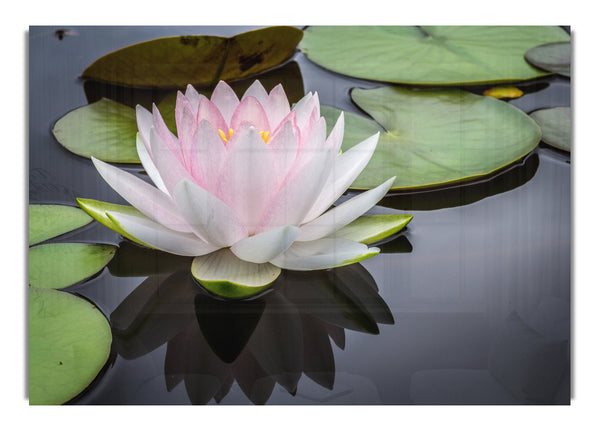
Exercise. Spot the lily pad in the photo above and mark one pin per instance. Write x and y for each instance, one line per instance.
(48, 221)
(553, 57)
(556, 126)
(54, 266)
(432, 137)
(174, 62)
(104, 129)
(446, 55)
(69, 343)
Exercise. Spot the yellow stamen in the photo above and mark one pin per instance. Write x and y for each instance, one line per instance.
(265, 136)
(225, 138)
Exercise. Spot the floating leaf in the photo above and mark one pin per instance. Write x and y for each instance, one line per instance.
(48, 221)
(54, 266)
(69, 343)
(553, 57)
(103, 129)
(556, 126)
(174, 62)
(435, 137)
(429, 55)
(503, 92)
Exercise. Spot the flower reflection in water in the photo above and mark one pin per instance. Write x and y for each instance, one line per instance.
(274, 338)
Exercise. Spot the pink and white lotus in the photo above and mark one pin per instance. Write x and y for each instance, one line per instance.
(245, 187)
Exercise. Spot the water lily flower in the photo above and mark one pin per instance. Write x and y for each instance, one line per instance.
(245, 187)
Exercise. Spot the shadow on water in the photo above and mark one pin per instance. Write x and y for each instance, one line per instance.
(463, 194)
(274, 338)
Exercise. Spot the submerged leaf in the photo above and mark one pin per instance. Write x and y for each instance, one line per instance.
(69, 343)
(556, 126)
(48, 221)
(104, 129)
(553, 57)
(429, 55)
(174, 62)
(435, 137)
(54, 266)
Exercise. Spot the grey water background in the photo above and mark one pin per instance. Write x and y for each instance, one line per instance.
(474, 257)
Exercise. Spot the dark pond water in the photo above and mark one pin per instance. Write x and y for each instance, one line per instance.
(469, 305)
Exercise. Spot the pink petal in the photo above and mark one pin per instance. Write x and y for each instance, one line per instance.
(304, 109)
(313, 144)
(277, 106)
(193, 96)
(209, 112)
(167, 163)
(186, 125)
(163, 131)
(225, 100)
(248, 176)
(284, 147)
(250, 111)
(257, 91)
(147, 199)
(206, 155)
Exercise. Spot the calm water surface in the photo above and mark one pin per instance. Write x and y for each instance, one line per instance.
(470, 304)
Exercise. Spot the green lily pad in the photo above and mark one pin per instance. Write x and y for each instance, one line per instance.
(48, 221)
(54, 266)
(223, 274)
(104, 129)
(446, 55)
(556, 126)
(69, 343)
(373, 228)
(174, 62)
(435, 137)
(553, 57)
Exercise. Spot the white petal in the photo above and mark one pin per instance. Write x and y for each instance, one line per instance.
(157, 236)
(277, 106)
(143, 196)
(343, 214)
(145, 121)
(265, 246)
(337, 134)
(347, 167)
(323, 253)
(148, 164)
(208, 216)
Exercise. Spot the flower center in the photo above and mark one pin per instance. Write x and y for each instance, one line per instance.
(226, 138)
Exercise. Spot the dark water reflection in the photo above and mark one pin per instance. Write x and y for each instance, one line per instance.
(470, 304)
(275, 338)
